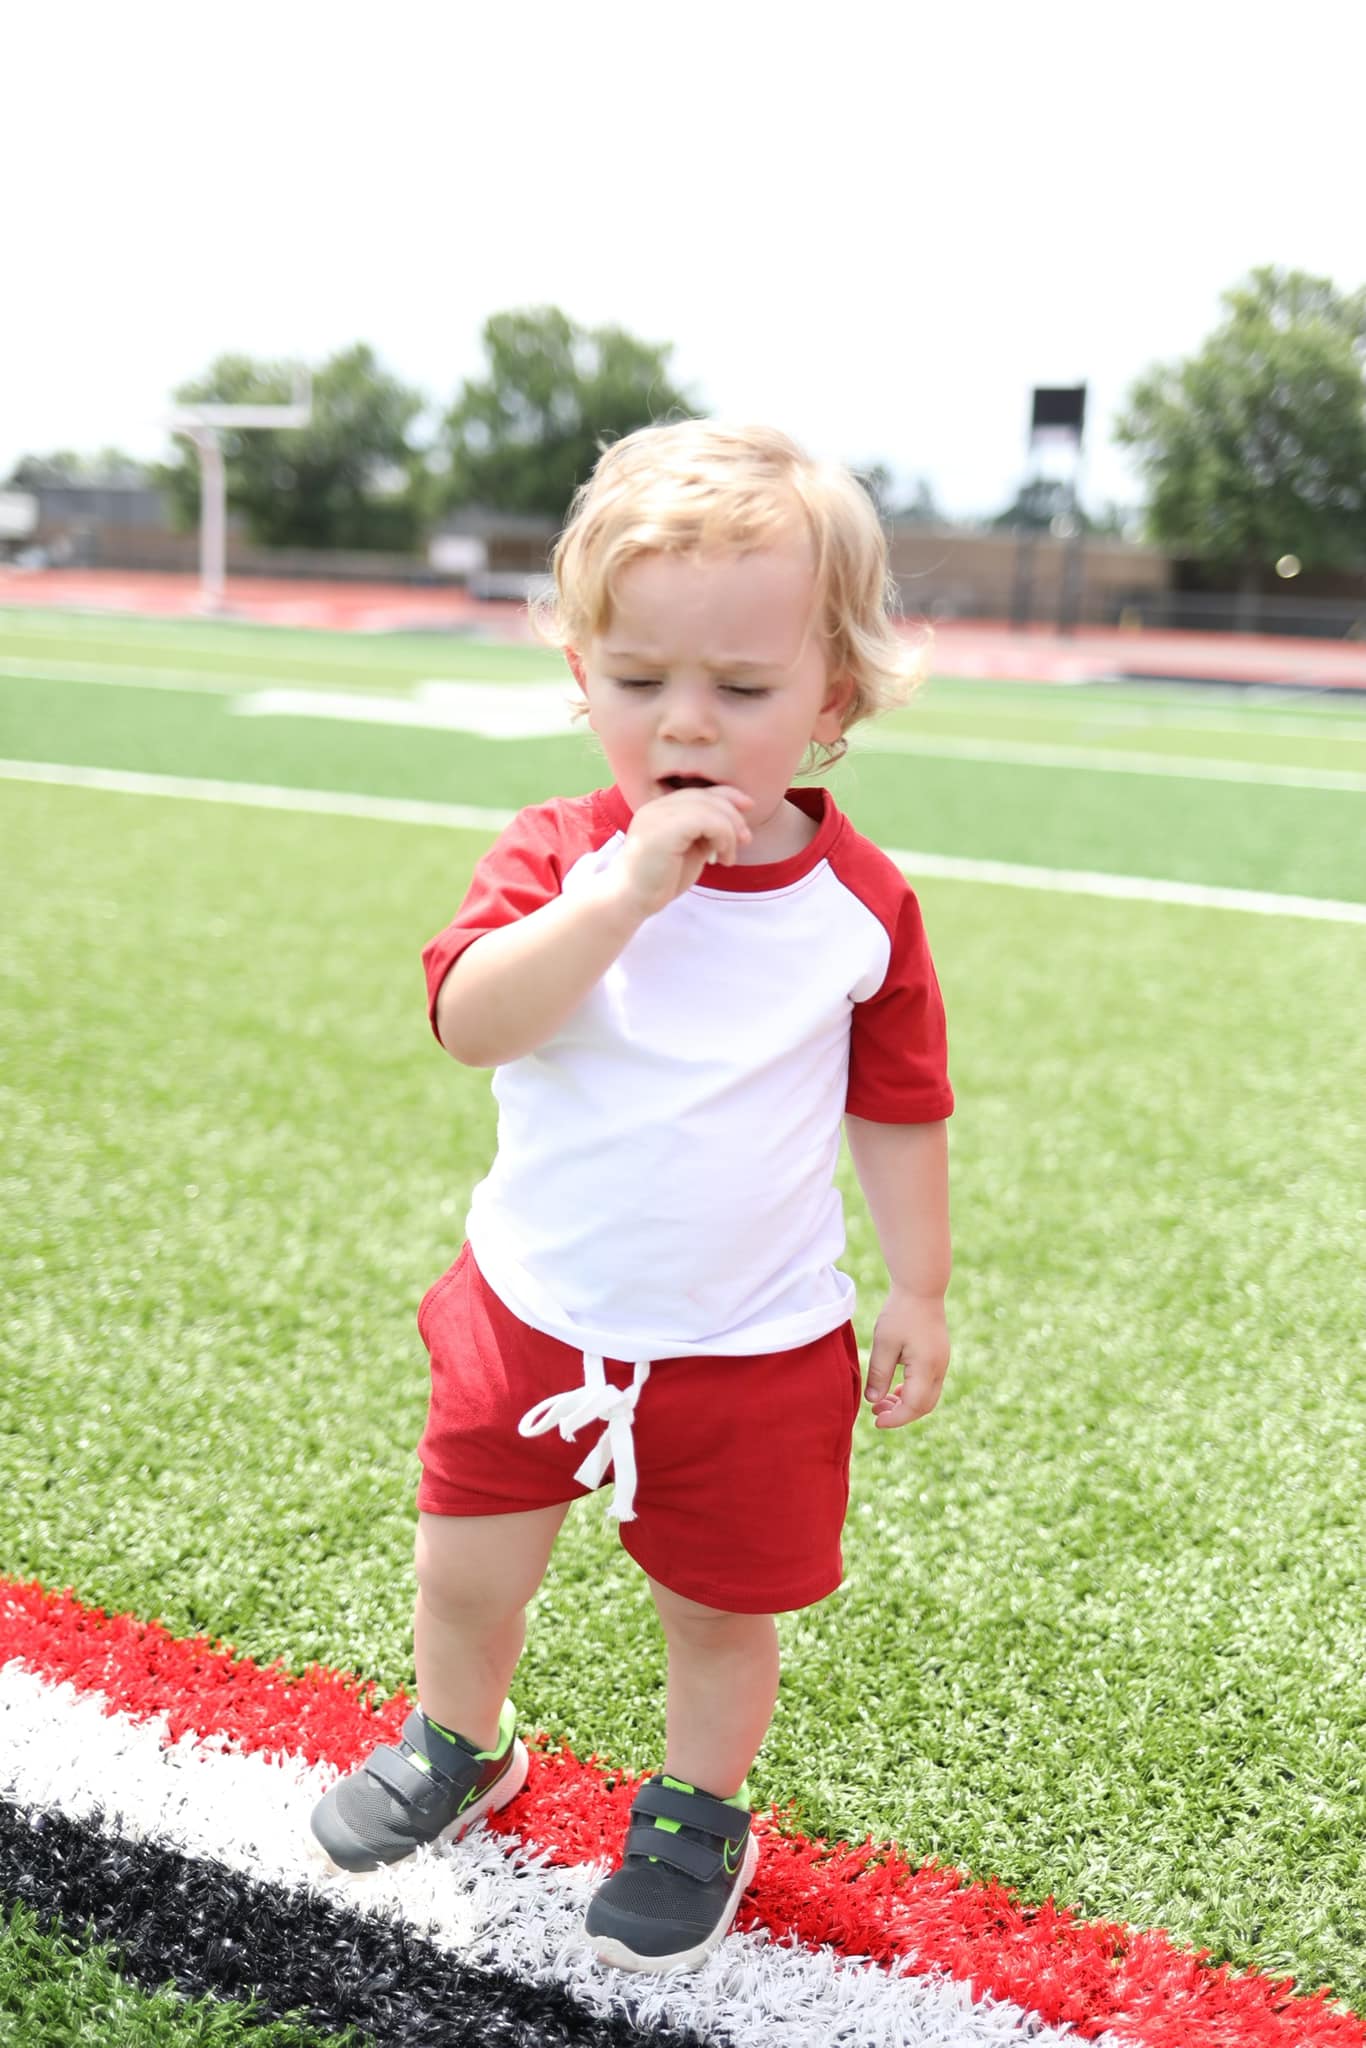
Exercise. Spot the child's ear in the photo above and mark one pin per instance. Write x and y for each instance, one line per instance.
(839, 696)
(576, 667)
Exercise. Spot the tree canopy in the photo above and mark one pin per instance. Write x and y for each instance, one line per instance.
(350, 479)
(523, 437)
(1037, 504)
(1255, 447)
(66, 466)
(919, 507)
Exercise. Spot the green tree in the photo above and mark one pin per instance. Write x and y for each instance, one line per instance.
(1255, 447)
(522, 438)
(65, 466)
(1037, 504)
(919, 507)
(878, 481)
(352, 478)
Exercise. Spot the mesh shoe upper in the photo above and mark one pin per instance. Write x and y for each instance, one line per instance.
(401, 1798)
(676, 1887)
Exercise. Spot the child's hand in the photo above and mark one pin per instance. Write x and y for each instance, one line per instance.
(672, 838)
(911, 1331)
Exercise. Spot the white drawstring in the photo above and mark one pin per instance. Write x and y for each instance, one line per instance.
(597, 1401)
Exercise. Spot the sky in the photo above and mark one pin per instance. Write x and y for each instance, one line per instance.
(875, 225)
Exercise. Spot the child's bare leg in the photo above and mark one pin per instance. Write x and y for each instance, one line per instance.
(723, 1684)
(475, 1574)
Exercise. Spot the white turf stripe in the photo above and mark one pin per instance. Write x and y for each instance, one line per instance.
(1021, 699)
(398, 708)
(499, 1906)
(391, 810)
(1130, 888)
(470, 818)
(192, 682)
(1030, 754)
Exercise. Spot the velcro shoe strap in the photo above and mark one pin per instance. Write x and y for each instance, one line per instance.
(643, 1838)
(401, 1776)
(693, 1809)
(416, 1736)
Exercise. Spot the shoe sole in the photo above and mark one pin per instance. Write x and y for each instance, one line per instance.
(618, 1956)
(348, 1852)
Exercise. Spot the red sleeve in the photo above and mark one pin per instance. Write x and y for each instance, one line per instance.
(523, 869)
(898, 1047)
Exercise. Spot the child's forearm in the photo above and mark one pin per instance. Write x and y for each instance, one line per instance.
(903, 1170)
(514, 987)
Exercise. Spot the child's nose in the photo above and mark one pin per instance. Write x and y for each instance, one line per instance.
(687, 715)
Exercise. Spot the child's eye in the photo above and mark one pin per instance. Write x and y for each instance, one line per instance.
(636, 682)
(744, 690)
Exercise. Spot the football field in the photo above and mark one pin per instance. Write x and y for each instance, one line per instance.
(1102, 1635)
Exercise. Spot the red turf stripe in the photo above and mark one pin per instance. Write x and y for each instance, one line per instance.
(863, 1900)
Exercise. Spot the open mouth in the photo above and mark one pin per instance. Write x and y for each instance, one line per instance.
(686, 782)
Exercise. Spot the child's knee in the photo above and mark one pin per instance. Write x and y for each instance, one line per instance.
(686, 1620)
(485, 1565)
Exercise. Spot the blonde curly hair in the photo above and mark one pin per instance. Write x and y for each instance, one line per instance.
(697, 485)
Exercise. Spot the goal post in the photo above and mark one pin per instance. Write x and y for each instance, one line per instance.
(203, 424)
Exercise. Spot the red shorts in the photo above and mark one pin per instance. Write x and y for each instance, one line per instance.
(742, 1463)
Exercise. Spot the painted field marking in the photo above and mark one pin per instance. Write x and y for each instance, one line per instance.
(389, 810)
(190, 682)
(1041, 704)
(1039, 701)
(489, 711)
(470, 818)
(239, 684)
(870, 1949)
(1029, 754)
(232, 682)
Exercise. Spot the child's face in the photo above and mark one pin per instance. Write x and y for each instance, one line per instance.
(708, 671)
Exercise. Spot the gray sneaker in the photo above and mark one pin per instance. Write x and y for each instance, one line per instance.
(688, 1859)
(401, 1798)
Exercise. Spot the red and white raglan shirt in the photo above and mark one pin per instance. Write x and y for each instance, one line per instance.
(664, 1184)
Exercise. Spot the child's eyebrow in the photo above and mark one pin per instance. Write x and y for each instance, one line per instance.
(724, 667)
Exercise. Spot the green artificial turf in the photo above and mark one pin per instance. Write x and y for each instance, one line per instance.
(1102, 1631)
(56, 1994)
(246, 656)
(1286, 840)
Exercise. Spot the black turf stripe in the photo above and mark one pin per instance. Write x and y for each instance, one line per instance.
(212, 1931)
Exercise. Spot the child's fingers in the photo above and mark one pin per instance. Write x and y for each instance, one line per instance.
(723, 833)
(882, 1363)
(914, 1398)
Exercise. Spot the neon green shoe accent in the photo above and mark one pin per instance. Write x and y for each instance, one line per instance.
(671, 1827)
(507, 1728)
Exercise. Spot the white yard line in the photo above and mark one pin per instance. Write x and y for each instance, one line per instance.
(470, 818)
(225, 682)
(403, 705)
(404, 697)
(1028, 754)
(1137, 711)
(390, 810)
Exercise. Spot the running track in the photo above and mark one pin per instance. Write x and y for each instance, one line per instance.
(961, 647)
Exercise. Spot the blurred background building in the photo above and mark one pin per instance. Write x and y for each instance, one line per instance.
(943, 570)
